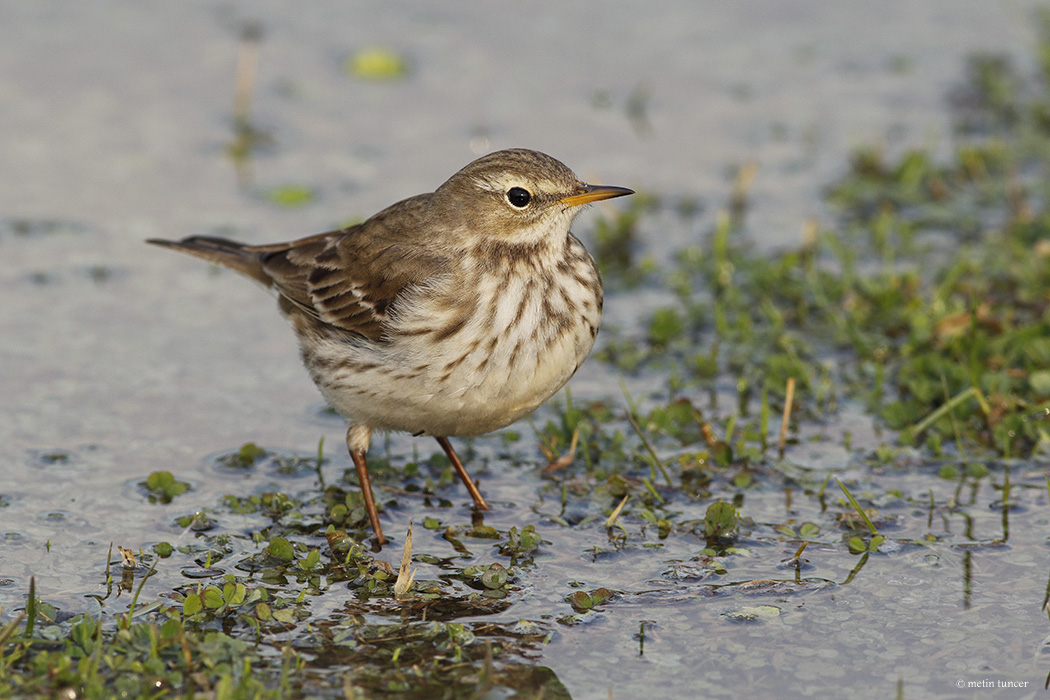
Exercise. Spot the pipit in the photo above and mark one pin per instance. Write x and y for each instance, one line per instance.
(448, 314)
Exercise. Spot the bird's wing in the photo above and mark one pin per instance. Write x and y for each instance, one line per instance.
(352, 278)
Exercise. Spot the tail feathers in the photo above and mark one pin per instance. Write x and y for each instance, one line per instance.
(220, 251)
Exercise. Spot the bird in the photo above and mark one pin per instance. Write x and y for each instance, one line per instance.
(448, 314)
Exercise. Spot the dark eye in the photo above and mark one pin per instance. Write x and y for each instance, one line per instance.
(519, 197)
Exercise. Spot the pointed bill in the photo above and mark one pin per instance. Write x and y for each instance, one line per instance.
(594, 193)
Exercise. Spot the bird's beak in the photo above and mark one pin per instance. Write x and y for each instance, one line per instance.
(594, 193)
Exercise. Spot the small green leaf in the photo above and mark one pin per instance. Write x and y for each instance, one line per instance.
(280, 548)
(722, 453)
(198, 522)
(247, 456)
(287, 615)
(742, 480)
(495, 577)
(583, 601)
(665, 326)
(377, 63)
(720, 519)
(212, 598)
(240, 592)
(163, 487)
(191, 604)
(808, 530)
(338, 513)
(290, 195)
(1040, 382)
(948, 472)
(977, 470)
(160, 481)
(311, 560)
(263, 612)
(485, 531)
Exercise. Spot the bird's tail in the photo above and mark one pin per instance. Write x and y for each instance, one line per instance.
(221, 251)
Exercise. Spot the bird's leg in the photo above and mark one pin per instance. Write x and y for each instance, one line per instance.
(366, 491)
(479, 501)
(355, 436)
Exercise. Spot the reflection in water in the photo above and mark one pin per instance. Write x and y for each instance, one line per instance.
(247, 137)
(967, 578)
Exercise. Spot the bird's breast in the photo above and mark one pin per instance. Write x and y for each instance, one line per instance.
(491, 346)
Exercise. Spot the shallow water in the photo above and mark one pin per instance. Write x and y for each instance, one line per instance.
(117, 359)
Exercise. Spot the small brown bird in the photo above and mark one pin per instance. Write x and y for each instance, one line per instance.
(452, 313)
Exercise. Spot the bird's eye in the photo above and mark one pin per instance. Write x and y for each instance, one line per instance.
(518, 197)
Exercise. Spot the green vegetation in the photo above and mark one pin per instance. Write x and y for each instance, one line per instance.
(377, 64)
(163, 487)
(242, 635)
(928, 302)
(290, 195)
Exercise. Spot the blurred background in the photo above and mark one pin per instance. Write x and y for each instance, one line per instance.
(119, 116)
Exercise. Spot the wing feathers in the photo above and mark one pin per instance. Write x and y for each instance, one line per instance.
(350, 279)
